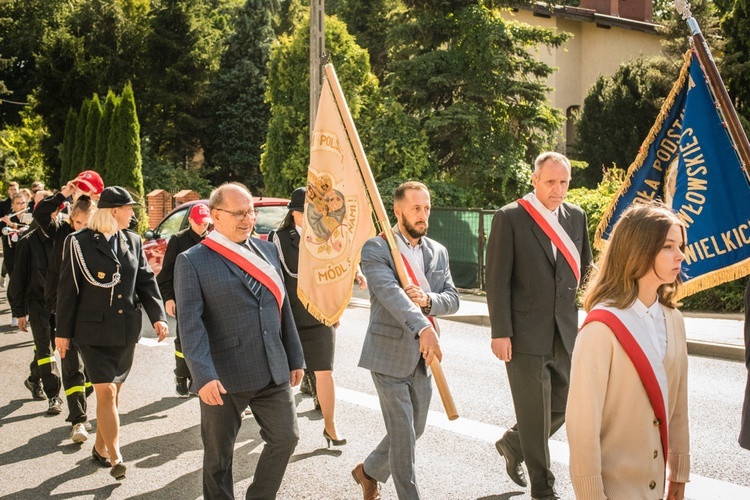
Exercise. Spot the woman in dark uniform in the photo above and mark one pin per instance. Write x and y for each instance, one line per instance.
(104, 281)
(318, 340)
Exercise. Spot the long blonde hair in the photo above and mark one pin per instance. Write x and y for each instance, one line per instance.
(630, 254)
(103, 221)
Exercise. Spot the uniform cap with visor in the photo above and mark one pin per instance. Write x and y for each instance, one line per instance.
(115, 196)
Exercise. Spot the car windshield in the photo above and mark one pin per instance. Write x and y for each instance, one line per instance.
(173, 224)
(269, 218)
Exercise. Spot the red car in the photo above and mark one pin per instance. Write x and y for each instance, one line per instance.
(271, 211)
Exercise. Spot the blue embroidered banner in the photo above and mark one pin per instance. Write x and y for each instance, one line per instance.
(689, 162)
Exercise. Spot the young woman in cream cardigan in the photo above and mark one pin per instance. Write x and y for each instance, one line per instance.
(627, 413)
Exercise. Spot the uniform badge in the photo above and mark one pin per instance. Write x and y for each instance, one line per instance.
(100, 275)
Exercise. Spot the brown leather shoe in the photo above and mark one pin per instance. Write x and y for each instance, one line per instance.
(370, 487)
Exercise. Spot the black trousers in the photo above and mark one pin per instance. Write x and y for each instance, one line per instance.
(44, 348)
(539, 385)
(180, 366)
(76, 383)
(274, 411)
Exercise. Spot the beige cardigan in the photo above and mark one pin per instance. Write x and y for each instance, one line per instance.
(615, 447)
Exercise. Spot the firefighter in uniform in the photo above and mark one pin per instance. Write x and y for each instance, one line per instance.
(199, 219)
(26, 297)
(104, 281)
(83, 190)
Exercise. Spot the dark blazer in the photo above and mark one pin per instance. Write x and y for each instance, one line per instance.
(33, 252)
(84, 311)
(529, 292)
(227, 334)
(58, 231)
(288, 240)
(745, 424)
(180, 242)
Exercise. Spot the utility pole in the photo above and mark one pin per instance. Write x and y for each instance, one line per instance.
(317, 48)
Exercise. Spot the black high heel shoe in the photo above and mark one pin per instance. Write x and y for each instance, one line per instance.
(330, 440)
(103, 461)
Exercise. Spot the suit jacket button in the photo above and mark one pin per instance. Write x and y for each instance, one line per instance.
(265, 332)
(119, 296)
(652, 485)
(657, 422)
(656, 453)
(119, 312)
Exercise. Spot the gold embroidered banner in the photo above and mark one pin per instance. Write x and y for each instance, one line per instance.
(337, 219)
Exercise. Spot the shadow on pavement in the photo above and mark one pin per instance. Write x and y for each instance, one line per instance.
(24, 344)
(44, 490)
(504, 496)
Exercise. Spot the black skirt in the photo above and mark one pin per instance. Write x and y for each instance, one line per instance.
(107, 364)
(318, 345)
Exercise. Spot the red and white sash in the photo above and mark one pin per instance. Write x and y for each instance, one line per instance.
(413, 270)
(249, 262)
(644, 356)
(554, 231)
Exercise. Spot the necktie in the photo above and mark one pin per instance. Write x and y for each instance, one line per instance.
(252, 282)
(113, 244)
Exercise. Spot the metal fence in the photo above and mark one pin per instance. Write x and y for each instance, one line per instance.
(464, 233)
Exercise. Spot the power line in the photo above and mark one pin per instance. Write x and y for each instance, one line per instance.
(14, 102)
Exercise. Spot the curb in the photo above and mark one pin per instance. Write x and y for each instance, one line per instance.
(717, 350)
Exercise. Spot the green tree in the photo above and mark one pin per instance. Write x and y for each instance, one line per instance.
(124, 163)
(23, 26)
(369, 21)
(287, 152)
(95, 45)
(102, 133)
(238, 113)
(474, 83)
(290, 14)
(21, 157)
(736, 26)
(76, 161)
(182, 54)
(71, 125)
(92, 127)
(618, 113)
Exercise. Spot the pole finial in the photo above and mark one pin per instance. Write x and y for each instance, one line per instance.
(683, 8)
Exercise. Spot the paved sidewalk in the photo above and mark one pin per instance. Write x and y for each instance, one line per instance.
(713, 335)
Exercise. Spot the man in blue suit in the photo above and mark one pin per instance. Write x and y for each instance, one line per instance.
(402, 340)
(240, 343)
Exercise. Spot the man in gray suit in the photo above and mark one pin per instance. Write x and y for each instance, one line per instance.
(240, 343)
(401, 339)
(537, 254)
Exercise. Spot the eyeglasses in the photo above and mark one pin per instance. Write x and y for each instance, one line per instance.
(241, 214)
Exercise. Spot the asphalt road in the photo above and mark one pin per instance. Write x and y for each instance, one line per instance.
(160, 434)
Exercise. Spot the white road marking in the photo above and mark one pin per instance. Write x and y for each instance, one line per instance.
(699, 487)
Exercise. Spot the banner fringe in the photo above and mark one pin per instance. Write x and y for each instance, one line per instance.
(714, 278)
(316, 313)
(643, 152)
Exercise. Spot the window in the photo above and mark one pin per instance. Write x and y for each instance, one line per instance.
(173, 224)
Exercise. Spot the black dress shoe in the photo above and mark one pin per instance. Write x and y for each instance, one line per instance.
(547, 497)
(118, 471)
(103, 461)
(512, 466)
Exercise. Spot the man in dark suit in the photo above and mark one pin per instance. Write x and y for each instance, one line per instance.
(537, 254)
(240, 343)
(402, 340)
(199, 219)
(745, 424)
